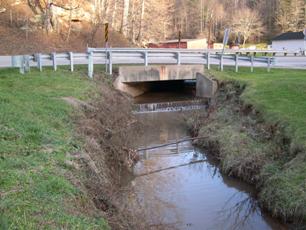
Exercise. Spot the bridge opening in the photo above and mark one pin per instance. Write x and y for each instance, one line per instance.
(167, 91)
(166, 88)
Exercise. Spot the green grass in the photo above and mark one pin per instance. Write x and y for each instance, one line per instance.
(280, 96)
(36, 133)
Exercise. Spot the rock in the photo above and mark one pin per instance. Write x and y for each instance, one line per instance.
(78, 103)
(72, 164)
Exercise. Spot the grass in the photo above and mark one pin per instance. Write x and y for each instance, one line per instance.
(280, 97)
(36, 133)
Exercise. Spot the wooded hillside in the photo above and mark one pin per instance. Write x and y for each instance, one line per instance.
(144, 21)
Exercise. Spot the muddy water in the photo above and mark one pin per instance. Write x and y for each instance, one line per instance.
(173, 192)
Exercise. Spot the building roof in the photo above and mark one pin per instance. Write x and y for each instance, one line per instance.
(289, 36)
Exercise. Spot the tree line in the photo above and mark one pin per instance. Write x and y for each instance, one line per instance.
(143, 21)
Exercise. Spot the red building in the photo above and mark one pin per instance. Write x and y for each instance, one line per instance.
(184, 44)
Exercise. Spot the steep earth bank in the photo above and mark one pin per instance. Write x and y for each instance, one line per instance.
(261, 153)
(108, 129)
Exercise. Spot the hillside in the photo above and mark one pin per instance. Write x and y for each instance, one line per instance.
(22, 32)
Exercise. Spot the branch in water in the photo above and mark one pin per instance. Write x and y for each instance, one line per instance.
(172, 143)
(172, 167)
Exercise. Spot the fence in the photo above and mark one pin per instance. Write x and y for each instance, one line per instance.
(128, 56)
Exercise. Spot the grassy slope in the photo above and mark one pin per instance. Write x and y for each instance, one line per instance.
(36, 133)
(280, 96)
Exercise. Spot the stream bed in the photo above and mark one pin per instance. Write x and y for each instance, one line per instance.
(178, 186)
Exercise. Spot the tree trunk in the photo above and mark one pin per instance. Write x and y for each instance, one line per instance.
(125, 17)
(107, 12)
(114, 21)
(141, 20)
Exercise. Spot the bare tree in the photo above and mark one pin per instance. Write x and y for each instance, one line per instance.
(124, 26)
(248, 23)
(142, 14)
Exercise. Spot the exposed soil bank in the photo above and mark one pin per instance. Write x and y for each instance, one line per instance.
(249, 148)
(107, 127)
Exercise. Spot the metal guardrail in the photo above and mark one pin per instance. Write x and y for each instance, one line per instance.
(127, 56)
(263, 52)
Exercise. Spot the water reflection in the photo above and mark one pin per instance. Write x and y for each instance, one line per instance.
(188, 196)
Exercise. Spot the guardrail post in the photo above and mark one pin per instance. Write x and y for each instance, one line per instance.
(145, 55)
(110, 62)
(90, 65)
(16, 61)
(236, 62)
(22, 63)
(208, 60)
(39, 62)
(269, 64)
(178, 57)
(27, 63)
(221, 62)
(71, 61)
(54, 63)
(252, 63)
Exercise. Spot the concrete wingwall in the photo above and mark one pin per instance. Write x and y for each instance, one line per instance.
(206, 87)
(135, 80)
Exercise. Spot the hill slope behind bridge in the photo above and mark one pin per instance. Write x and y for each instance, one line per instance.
(27, 27)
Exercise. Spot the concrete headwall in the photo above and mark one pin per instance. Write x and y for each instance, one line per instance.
(129, 74)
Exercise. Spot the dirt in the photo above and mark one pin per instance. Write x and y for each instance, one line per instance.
(108, 129)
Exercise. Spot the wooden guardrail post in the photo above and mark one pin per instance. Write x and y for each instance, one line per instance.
(236, 62)
(178, 57)
(39, 61)
(71, 61)
(90, 65)
(252, 63)
(146, 61)
(54, 63)
(208, 60)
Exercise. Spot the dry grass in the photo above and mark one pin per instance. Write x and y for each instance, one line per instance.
(14, 40)
(109, 131)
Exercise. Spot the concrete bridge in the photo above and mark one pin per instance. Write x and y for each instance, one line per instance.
(135, 80)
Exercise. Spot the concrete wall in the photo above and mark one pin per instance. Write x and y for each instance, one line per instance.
(205, 87)
(129, 74)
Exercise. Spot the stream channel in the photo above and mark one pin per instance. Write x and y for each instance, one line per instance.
(180, 187)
